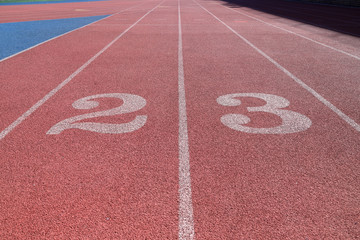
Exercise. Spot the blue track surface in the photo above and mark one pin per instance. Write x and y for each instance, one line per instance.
(47, 2)
(16, 37)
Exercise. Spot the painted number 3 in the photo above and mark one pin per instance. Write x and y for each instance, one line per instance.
(292, 122)
(131, 103)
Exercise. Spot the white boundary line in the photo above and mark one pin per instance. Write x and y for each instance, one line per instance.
(346, 118)
(1, 60)
(186, 222)
(297, 34)
(66, 81)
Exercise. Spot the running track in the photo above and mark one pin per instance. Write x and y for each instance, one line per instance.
(180, 120)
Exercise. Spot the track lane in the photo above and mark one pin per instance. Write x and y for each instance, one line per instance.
(347, 22)
(331, 74)
(255, 186)
(18, 13)
(79, 183)
(29, 76)
(348, 45)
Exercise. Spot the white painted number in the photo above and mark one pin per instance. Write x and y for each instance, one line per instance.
(292, 122)
(131, 103)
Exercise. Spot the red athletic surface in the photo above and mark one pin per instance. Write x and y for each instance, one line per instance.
(85, 185)
(297, 186)
(20, 13)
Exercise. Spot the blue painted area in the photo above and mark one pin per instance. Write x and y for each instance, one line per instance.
(48, 2)
(16, 37)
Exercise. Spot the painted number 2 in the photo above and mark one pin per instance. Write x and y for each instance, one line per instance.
(292, 122)
(131, 103)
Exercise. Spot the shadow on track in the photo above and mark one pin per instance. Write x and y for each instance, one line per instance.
(336, 18)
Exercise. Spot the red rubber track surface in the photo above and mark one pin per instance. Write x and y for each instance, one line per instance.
(46, 66)
(22, 13)
(71, 185)
(248, 186)
(338, 18)
(86, 185)
(340, 41)
(312, 63)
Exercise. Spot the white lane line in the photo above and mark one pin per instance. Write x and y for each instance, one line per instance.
(186, 222)
(1, 60)
(297, 34)
(346, 118)
(66, 81)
